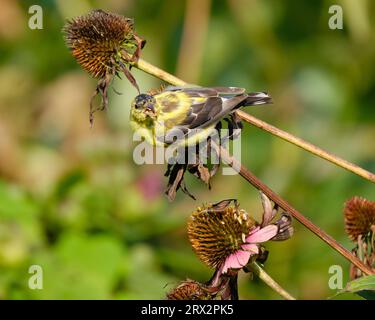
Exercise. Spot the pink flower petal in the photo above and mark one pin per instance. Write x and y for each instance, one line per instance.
(236, 260)
(215, 281)
(252, 248)
(256, 229)
(263, 234)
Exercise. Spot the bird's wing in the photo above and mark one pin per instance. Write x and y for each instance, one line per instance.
(212, 111)
(183, 109)
(186, 109)
(194, 107)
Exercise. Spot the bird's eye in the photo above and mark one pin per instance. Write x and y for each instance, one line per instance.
(139, 104)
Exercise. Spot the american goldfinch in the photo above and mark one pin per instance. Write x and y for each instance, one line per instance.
(187, 115)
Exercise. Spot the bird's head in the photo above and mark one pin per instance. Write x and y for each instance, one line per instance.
(143, 108)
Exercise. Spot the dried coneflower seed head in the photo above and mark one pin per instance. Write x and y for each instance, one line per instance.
(190, 290)
(359, 217)
(96, 40)
(104, 44)
(217, 231)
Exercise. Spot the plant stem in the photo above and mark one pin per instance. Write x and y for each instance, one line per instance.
(252, 179)
(161, 74)
(307, 146)
(266, 278)
(158, 73)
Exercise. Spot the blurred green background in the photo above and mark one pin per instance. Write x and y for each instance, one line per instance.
(73, 201)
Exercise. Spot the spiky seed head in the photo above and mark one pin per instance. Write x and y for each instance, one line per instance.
(359, 217)
(104, 44)
(215, 234)
(96, 39)
(190, 290)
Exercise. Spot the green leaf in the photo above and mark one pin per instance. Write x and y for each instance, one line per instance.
(364, 287)
(367, 294)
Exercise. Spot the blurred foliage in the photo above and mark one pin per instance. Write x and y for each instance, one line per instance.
(73, 201)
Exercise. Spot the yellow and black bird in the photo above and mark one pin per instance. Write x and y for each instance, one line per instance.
(187, 115)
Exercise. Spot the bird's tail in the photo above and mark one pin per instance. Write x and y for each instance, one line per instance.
(256, 98)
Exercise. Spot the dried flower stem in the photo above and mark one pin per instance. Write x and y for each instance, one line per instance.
(161, 74)
(307, 146)
(158, 73)
(255, 268)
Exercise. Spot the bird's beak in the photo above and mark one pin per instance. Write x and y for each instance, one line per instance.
(150, 108)
(150, 111)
